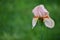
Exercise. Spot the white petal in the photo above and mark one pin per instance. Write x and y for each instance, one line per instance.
(49, 22)
(34, 21)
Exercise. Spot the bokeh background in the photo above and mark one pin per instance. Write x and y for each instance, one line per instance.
(16, 20)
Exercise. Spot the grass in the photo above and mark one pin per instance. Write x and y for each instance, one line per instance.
(16, 20)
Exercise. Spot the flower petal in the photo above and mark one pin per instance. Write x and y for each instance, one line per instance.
(35, 11)
(34, 21)
(43, 10)
(49, 22)
(40, 10)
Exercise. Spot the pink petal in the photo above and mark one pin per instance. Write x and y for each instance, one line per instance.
(43, 11)
(35, 11)
(40, 11)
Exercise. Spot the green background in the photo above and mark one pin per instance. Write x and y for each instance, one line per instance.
(16, 20)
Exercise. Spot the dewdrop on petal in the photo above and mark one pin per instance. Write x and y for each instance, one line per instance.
(49, 22)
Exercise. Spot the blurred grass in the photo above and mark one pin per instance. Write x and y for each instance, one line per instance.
(16, 17)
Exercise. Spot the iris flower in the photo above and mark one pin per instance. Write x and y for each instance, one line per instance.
(41, 12)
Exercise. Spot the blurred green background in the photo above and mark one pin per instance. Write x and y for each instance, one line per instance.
(16, 20)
